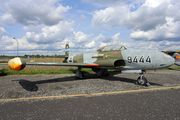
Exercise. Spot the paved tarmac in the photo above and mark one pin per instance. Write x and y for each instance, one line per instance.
(46, 97)
(156, 105)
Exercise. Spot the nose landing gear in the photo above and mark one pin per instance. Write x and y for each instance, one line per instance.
(142, 80)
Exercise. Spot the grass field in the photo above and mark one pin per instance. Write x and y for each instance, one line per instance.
(31, 71)
(41, 70)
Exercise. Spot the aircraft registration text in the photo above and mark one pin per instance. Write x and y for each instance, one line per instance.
(141, 60)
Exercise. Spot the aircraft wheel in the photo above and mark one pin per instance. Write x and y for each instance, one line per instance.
(141, 80)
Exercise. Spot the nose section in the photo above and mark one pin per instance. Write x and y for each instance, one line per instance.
(166, 61)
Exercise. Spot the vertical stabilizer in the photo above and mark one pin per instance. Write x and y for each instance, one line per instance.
(176, 56)
(67, 52)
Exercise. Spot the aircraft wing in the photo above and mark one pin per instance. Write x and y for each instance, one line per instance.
(64, 64)
(19, 64)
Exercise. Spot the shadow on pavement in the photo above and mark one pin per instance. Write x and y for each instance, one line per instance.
(3, 72)
(32, 85)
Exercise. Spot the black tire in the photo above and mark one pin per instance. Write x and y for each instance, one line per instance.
(142, 81)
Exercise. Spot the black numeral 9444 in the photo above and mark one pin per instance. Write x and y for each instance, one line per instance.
(141, 60)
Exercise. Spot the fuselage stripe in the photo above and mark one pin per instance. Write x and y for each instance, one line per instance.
(92, 64)
(67, 49)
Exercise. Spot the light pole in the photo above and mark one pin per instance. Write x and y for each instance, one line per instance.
(17, 45)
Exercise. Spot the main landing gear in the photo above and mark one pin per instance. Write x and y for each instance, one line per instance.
(99, 72)
(79, 74)
(142, 80)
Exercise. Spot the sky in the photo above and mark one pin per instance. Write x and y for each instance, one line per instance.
(45, 27)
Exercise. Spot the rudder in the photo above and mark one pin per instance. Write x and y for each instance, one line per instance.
(67, 52)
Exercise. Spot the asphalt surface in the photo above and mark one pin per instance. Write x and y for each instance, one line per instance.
(161, 105)
(156, 104)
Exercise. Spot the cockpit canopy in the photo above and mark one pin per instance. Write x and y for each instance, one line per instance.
(112, 47)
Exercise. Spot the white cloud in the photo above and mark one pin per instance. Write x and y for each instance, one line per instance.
(149, 22)
(5, 43)
(2, 5)
(91, 44)
(120, 15)
(83, 17)
(101, 3)
(114, 40)
(80, 37)
(8, 43)
(99, 37)
(2, 32)
(154, 3)
(167, 31)
(6, 19)
(35, 11)
(116, 36)
(109, 17)
(146, 17)
(33, 28)
(157, 22)
(52, 34)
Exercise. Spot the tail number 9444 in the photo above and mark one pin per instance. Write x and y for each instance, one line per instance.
(142, 59)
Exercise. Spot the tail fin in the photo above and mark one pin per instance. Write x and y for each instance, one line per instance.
(67, 52)
(177, 59)
(175, 55)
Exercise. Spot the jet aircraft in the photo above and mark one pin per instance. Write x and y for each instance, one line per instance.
(112, 57)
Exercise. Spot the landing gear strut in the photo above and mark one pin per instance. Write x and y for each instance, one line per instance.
(142, 80)
(101, 72)
(79, 74)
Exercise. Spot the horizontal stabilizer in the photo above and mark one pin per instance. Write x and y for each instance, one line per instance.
(177, 63)
(177, 59)
(175, 55)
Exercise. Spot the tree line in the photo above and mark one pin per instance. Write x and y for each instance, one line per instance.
(33, 56)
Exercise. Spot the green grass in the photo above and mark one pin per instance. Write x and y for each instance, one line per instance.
(171, 68)
(32, 71)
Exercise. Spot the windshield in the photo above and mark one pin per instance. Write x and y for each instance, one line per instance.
(112, 47)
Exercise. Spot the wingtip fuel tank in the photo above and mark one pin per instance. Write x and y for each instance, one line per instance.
(17, 64)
